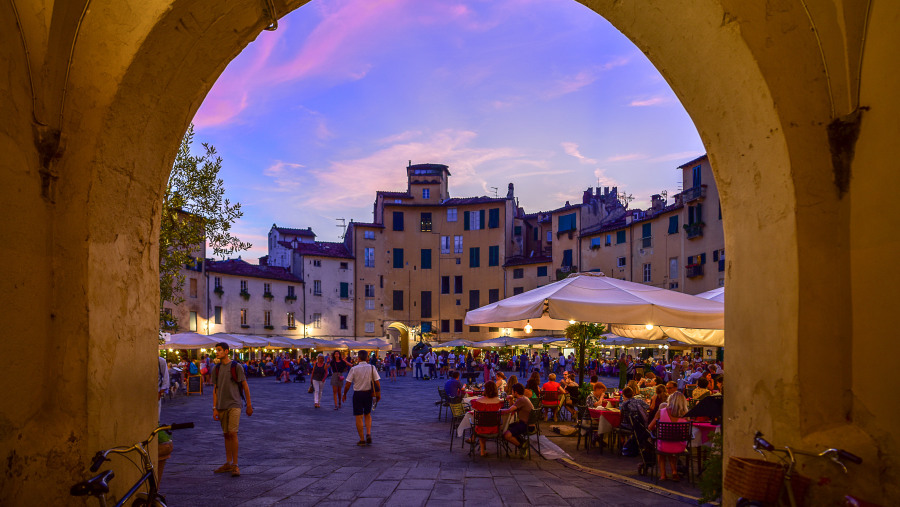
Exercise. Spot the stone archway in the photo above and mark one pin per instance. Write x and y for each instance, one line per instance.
(96, 96)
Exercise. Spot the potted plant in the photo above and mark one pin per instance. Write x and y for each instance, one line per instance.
(269, 296)
(290, 299)
(219, 291)
(245, 294)
(164, 451)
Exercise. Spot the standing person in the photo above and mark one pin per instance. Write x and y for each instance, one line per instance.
(319, 372)
(365, 381)
(417, 373)
(163, 384)
(339, 366)
(623, 371)
(429, 363)
(228, 382)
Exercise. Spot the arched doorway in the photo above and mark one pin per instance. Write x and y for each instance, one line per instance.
(98, 95)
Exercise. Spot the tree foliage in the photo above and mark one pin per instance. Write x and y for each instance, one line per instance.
(194, 211)
(579, 336)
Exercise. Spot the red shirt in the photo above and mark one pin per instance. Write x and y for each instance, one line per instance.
(551, 386)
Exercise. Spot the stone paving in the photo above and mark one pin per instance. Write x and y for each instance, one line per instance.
(294, 454)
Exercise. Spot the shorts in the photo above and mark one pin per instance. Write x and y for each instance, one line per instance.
(230, 418)
(362, 402)
(518, 428)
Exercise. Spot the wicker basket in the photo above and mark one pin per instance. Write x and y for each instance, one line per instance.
(754, 479)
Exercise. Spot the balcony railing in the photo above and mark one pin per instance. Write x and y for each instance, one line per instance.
(694, 230)
(693, 270)
(693, 193)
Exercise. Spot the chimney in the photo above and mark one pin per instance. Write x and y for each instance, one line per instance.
(657, 202)
(588, 194)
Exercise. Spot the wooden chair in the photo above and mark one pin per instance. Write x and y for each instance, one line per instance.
(487, 425)
(457, 412)
(534, 430)
(680, 432)
(444, 401)
(586, 427)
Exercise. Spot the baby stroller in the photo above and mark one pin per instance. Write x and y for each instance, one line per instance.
(299, 376)
(640, 443)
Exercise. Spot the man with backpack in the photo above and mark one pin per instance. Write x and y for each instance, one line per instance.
(230, 386)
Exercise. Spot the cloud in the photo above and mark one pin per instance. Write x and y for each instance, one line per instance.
(628, 157)
(572, 149)
(652, 101)
(682, 156)
(603, 180)
(582, 78)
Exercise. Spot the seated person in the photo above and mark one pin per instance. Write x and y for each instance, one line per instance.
(553, 386)
(649, 380)
(490, 402)
(595, 399)
(720, 380)
(594, 380)
(572, 392)
(659, 397)
(533, 389)
(500, 380)
(632, 406)
(693, 377)
(513, 380)
(634, 387)
(701, 391)
(453, 387)
(522, 407)
(674, 411)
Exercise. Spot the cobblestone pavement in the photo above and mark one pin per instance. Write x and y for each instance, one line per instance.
(294, 454)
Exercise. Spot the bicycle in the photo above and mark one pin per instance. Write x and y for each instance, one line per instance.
(764, 483)
(98, 486)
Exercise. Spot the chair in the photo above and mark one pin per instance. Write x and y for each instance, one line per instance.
(443, 402)
(583, 423)
(457, 412)
(487, 425)
(680, 432)
(534, 429)
(689, 390)
(550, 401)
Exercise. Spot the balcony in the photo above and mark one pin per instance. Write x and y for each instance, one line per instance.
(693, 270)
(693, 193)
(694, 230)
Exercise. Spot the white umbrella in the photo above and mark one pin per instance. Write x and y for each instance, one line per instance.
(190, 341)
(250, 340)
(714, 295)
(594, 297)
(455, 343)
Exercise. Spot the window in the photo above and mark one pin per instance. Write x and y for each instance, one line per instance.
(317, 263)
(445, 244)
(647, 273)
(445, 285)
(370, 257)
(457, 325)
(620, 237)
(493, 330)
(426, 258)
(292, 323)
(425, 222)
(398, 220)
(426, 304)
(370, 304)
(244, 286)
(535, 234)
(549, 236)
(398, 300)
(218, 315)
(243, 316)
(474, 257)
(218, 282)
(398, 258)
(695, 176)
(719, 257)
(494, 218)
(369, 290)
(451, 214)
(457, 244)
(317, 321)
(344, 265)
(673, 267)
(192, 321)
(542, 271)
(620, 262)
(370, 327)
(473, 220)
(291, 291)
(193, 287)
(317, 287)
(343, 321)
(519, 273)
(474, 329)
(345, 290)
(267, 288)
(646, 236)
(267, 318)
(494, 255)
(673, 224)
(596, 242)
(493, 295)
(445, 325)
(474, 299)
(566, 223)
(368, 234)
(608, 241)
(517, 230)
(518, 290)
(695, 214)
(457, 285)
(567, 258)
(426, 193)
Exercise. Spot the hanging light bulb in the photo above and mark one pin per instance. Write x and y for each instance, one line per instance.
(528, 327)
(649, 327)
(571, 321)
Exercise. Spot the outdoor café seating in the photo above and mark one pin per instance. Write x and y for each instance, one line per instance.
(550, 402)
(487, 425)
(676, 432)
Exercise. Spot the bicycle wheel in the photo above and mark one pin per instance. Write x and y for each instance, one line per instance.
(143, 500)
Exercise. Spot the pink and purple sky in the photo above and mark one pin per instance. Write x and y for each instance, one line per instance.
(312, 119)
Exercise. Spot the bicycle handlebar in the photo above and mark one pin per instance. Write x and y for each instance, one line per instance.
(759, 441)
(181, 426)
(98, 460)
(849, 457)
(100, 457)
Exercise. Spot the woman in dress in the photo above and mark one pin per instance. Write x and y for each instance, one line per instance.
(318, 378)
(339, 366)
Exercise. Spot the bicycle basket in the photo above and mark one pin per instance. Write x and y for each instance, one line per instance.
(755, 479)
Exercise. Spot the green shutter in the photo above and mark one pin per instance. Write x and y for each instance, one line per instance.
(673, 224)
(466, 220)
(426, 258)
(398, 258)
(494, 218)
(645, 229)
(494, 256)
(481, 221)
(345, 290)
(620, 237)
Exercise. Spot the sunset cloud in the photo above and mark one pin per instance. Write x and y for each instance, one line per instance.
(652, 101)
(572, 149)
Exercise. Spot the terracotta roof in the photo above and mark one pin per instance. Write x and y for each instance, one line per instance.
(520, 260)
(296, 232)
(323, 249)
(388, 193)
(691, 162)
(567, 207)
(240, 267)
(620, 223)
(461, 201)
(364, 224)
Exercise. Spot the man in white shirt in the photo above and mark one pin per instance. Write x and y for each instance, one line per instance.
(365, 381)
(429, 363)
(451, 361)
(692, 379)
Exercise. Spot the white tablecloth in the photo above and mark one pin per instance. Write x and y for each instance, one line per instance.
(467, 421)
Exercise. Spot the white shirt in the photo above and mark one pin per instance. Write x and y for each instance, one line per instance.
(363, 377)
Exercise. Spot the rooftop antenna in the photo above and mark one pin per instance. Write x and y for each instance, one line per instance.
(343, 226)
(495, 192)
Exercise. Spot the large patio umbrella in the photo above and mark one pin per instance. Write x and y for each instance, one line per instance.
(714, 295)
(455, 343)
(190, 341)
(594, 297)
(689, 336)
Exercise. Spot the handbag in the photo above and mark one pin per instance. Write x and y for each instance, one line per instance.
(311, 389)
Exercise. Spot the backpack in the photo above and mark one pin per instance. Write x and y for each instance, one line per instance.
(234, 379)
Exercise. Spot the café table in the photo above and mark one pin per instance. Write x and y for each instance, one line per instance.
(608, 419)
(467, 421)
